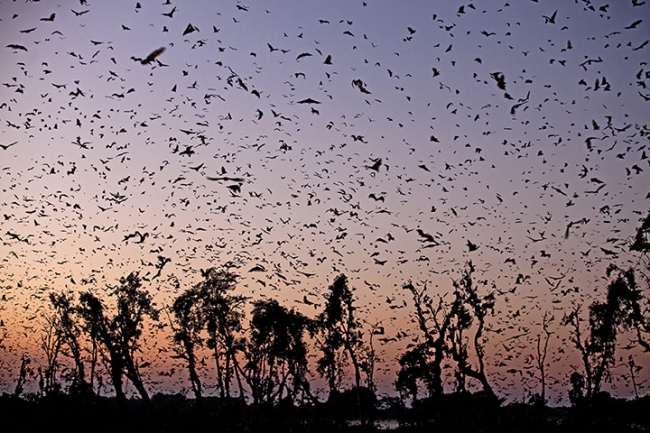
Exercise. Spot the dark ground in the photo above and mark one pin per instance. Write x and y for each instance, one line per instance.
(449, 413)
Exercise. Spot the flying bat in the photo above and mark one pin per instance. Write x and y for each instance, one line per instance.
(151, 57)
(17, 47)
(309, 101)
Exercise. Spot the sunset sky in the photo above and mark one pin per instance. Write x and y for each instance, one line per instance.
(293, 141)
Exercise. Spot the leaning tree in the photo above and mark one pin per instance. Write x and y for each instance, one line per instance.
(119, 334)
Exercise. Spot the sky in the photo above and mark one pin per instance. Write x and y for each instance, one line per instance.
(293, 141)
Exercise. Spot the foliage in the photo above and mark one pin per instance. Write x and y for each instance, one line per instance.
(189, 322)
(270, 355)
(276, 353)
(341, 335)
(120, 334)
(67, 332)
(621, 311)
(642, 238)
(222, 313)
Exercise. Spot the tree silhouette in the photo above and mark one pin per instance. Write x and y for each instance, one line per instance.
(341, 335)
(51, 345)
(577, 391)
(276, 354)
(120, 334)
(24, 371)
(423, 362)
(459, 350)
(370, 357)
(68, 332)
(187, 326)
(542, 352)
(642, 238)
(633, 369)
(415, 366)
(95, 324)
(620, 311)
(223, 314)
(443, 327)
(469, 307)
(642, 244)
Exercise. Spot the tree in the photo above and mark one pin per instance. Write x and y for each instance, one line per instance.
(370, 357)
(620, 311)
(25, 370)
(469, 307)
(414, 367)
(276, 353)
(633, 369)
(188, 324)
(458, 348)
(67, 332)
(642, 238)
(576, 394)
(51, 345)
(223, 314)
(342, 340)
(443, 327)
(96, 325)
(423, 362)
(542, 351)
(133, 304)
(341, 335)
(642, 318)
(120, 334)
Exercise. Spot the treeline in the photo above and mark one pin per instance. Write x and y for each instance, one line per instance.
(265, 360)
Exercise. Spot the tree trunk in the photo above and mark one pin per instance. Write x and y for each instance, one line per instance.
(219, 371)
(134, 376)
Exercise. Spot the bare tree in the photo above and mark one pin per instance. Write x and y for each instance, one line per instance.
(370, 356)
(424, 361)
(542, 351)
(471, 307)
(572, 318)
(458, 342)
(634, 369)
(51, 344)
